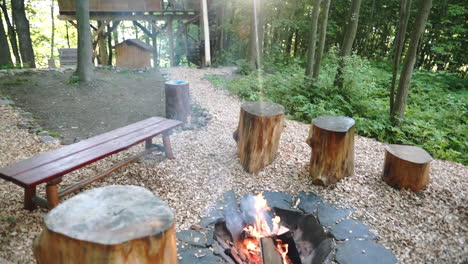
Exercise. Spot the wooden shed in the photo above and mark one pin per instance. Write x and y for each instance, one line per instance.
(133, 53)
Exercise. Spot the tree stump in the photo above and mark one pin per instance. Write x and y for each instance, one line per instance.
(406, 167)
(178, 100)
(113, 224)
(258, 134)
(332, 141)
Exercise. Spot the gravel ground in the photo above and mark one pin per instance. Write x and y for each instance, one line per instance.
(425, 227)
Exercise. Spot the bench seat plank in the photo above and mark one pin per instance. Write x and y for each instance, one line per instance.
(66, 164)
(51, 156)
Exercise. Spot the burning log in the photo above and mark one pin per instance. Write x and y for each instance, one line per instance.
(118, 224)
(332, 141)
(270, 253)
(258, 134)
(406, 167)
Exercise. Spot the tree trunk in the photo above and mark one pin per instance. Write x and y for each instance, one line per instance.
(5, 56)
(348, 40)
(313, 38)
(113, 224)
(408, 67)
(11, 34)
(109, 43)
(406, 167)
(85, 66)
(332, 141)
(323, 36)
(52, 38)
(67, 35)
(24, 35)
(258, 134)
(399, 44)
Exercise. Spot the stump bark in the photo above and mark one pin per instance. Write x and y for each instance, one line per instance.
(258, 134)
(406, 167)
(113, 224)
(178, 100)
(332, 141)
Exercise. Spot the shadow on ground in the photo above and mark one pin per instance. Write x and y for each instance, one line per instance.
(76, 111)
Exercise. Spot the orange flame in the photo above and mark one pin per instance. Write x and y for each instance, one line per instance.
(261, 229)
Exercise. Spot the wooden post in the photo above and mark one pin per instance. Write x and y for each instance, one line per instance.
(113, 224)
(177, 100)
(186, 43)
(332, 141)
(258, 134)
(206, 32)
(154, 39)
(102, 45)
(406, 167)
(171, 41)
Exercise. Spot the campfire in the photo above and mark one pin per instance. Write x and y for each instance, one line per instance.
(258, 234)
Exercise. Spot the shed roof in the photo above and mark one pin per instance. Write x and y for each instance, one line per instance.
(136, 42)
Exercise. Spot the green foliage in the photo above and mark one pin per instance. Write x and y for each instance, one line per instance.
(74, 80)
(14, 82)
(244, 67)
(437, 113)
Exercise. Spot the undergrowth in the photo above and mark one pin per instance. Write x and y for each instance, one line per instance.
(436, 116)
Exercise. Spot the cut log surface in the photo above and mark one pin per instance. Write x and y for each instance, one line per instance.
(178, 100)
(258, 134)
(406, 167)
(332, 141)
(113, 224)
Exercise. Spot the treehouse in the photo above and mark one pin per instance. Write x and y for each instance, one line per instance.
(110, 12)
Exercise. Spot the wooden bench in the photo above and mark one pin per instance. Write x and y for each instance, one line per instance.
(49, 167)
(68, 57)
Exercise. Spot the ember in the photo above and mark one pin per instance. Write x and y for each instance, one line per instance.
(259, 235)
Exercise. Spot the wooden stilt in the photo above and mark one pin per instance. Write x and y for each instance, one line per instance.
(206, 32)
(154, 39)
(171, 42)
(186, 43)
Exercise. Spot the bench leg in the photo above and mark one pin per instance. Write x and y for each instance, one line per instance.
(167, 146)
(51, 192)
(148, 143)
(29, 192)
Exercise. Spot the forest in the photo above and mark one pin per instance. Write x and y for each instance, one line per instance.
(399, 68)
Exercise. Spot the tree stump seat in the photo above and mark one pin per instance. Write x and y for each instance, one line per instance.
(113, 224)
(406, 167)
(258, 134)
(178, 100)
(332, 141)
